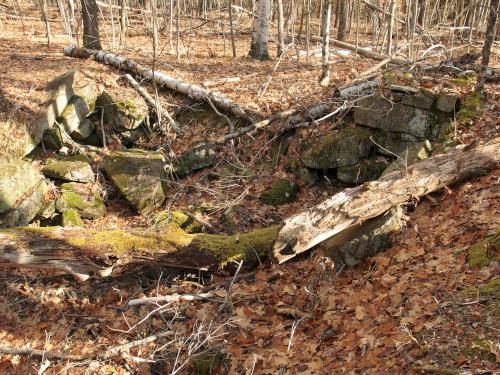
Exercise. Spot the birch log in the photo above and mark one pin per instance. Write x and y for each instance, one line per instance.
(194, 91)
(82, 252)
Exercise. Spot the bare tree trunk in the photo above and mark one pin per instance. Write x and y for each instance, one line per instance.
(260, 33)
(43, 9)
(154, 24)
(231, 27)
(422, 13)
(341, 33)
(488, 42)
(325, 74)
(91, 39)
(390, 30)
(281, 35)
(123, 22)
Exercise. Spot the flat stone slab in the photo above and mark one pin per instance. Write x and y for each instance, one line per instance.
(69, 168)
(139, 176)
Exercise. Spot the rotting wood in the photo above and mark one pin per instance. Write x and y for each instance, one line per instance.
(356, 205)
(85, 251)
(194, 91)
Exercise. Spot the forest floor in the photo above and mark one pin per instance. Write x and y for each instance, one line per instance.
(415, 308)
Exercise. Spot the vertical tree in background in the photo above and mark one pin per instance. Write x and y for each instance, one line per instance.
(123, 21)
(281, 34)
(325, 31)
(91, 38)
(342, 20)
(43, 8)
(488, 42)
(260, 32)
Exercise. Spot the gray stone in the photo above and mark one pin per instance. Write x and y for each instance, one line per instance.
(309, 176)
(84, 198)
(28, 208)
(342, 148)
(412, 154)
(391, 144)
(124, 110)
(447, 102)
(378, 112)
(17, 180)
(74, 118)
(361, 241)
(200, 156)
(365, 170)
(69, 168)
(423, 99)
(139, 176)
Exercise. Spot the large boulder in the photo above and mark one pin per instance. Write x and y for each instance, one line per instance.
(380, 113)
(139, 176)
(367, 239)
(365, 170)
(198, 157)
(23, 193)
(124, 110)
(69, 168)
(83, 198)
(339, 149)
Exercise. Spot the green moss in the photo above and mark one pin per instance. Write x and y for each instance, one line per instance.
(464, 80)
(71, 218)
(490, 291)
(484, 349)
(88, 206)
(481, 253)
(282, 192)
(186, 222)
(471, 108)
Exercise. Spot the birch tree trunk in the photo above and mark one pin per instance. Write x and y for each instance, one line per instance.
(260, 32)
(281, 35)
(43, 9)
(91, 38)
(123, 22)
(325, 74)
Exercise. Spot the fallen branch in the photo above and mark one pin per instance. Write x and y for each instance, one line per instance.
(149, 99)
(83, 251)
(171, 298)
(194, 91)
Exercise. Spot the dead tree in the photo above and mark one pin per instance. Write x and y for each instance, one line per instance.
(86, 251)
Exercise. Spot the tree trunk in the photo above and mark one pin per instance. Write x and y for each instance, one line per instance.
(194, 91)
(341, 33)
(123, 22)
(422, 13)
(325, 30)
(85, 251)
(488, 42)
(91, 39)
(43, 9)
(260, 33)
(281, 34)
(231, 27)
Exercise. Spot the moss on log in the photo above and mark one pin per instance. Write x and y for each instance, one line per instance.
(85, 251)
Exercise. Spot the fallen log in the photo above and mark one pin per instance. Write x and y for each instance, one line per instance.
(163, 80)
(82, 252)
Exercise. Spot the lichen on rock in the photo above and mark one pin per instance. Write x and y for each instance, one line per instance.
(123, 111)
(69, 168)
(139, 176)
(283, 191)
(82, 198)
(482, 252)
(199, 156)
(71, 218)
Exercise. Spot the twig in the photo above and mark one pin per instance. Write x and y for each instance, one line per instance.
(171, 298)
(222, 307)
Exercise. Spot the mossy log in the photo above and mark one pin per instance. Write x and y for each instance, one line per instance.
(85, 251)
(82, 252)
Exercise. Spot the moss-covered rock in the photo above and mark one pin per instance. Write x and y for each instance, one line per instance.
(365, 170)
(139, 176)
(53, 139)
(82, 198)
(17, 180)
(483, 252)
(414, 153)
(71, 218)
(283, 191)
(367, 239)
(69, 168)
(27, 208)
(124, 110)
(343, 148)
(447, 102)
(309, 176)
(200, 156)
(15, 139)
(186, 222)
(470, 108)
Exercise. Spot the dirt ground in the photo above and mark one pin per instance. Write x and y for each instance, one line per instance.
(415, 308)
